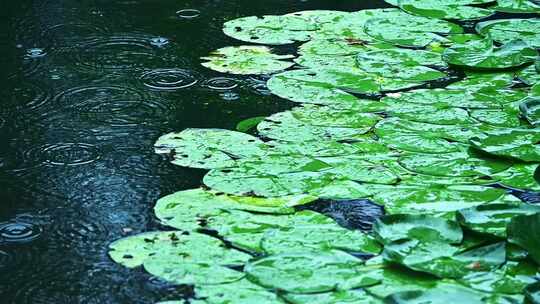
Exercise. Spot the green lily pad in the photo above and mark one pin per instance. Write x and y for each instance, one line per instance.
(519, 6)
(449, 292)
(443, 9)
(270, 29)
(444, 260)
(507, 117)
(521, 232)
(312, 148)
(483, 54)
(137, 250)
(507, 30)
(531, 74)
(185, 209)
(519, 176)
(432, 114)
(311, 272)
(245, 60)
(476, 80)
(512, 278)
(408, 30)
(331, 47)
(208, 148)
(514, 143)
(532, 293)
(400, 279)
(325, 116)
(178, 271)
(436, 199)
(310, 238)
(340, 296)
(493, 218)
(426, 228)
(285, 127)
(530, 109)
(238, 292)
(248, 124)
(453, 164)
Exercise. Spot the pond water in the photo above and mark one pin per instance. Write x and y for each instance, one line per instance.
(87, 87)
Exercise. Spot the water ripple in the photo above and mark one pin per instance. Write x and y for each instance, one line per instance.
(188, 13)
(221, 83)
(18, 232)
(168, 79)
(91, 95)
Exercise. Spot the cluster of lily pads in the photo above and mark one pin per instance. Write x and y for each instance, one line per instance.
(398, 106)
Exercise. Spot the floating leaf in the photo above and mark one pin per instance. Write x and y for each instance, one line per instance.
(530, 109)
(476, 81)
(493, 218)
(137, 250)
(248, 124)
(483, 54)
(443, 9)
(519, 176)
(532, 293)
(270, 29)
(453, 164)
(507, 30)
(208, 148)
(238, 292)
(444, 260)
(400, 279)
(245, 60)
(512, 278)
(408, 30)
(521, 232)
(420, 227)
(324, 116)
(507, 117)
(514, 143)
(340, 296)
(311, 272)
(309, 238)
(519, 6)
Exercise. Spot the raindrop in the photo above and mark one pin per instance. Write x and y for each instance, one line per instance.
(168, 79)
(188, 13)
(221, 83)
(230, 96)
(18, 232)
(35, 53)
(159, 41)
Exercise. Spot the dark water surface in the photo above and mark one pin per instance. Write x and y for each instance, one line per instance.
(86, 88)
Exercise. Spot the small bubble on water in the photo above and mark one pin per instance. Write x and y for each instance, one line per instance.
(229, 96)
(35, 53)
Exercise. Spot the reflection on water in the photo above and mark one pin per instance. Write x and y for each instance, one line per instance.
(87, 87)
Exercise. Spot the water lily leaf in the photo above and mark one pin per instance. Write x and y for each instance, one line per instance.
(483, 54)
(325, 116)
(512, 278)
(444, 260)
(532, 293)
(506, 117)
(535, 90)
(425, 228)
(462, 98)
(507, 30)
(294, 86)
(248, 124)
(519, 176)
(514, 143)
(331, 47)
(519, 233)
(208, 148)
(475, 81)
(176, 270)
(455, 133)
(530, 109)
(448, 292)
(270, 29)
(340, 296)
(246, 230)
(341, 189)
(443, 9)
(453, 164)
(520, 6)
(312, 148)
(311, 272)
(493, 218)
(401, 63)
(285, 127)
(531, 74)
(245, 60)
(238, 292)
(326, 237)
(185, 209)
(408, 30)
(439, 200)
(137, 250)
(400, 279)
(433, 114)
